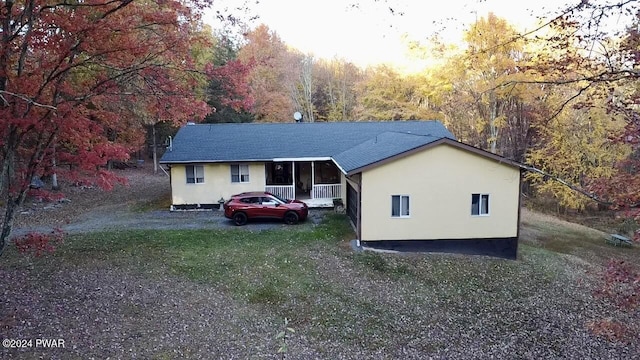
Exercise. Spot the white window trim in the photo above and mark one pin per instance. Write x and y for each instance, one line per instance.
(480, 214)
(195, 173)
(401, 197)
(240, 173)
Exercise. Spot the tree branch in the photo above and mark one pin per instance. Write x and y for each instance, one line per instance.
(591, 196)
(26, 99)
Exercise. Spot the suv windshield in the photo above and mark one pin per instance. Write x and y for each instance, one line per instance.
(284, 201)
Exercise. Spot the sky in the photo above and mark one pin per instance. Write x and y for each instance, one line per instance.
(370, 32)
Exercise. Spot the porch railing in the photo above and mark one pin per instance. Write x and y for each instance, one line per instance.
(326, 191)
(283, 191)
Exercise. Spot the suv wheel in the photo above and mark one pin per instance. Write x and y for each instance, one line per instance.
(240, 218)
(291, 218)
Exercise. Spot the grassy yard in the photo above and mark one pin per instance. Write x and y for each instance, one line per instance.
(226, 293)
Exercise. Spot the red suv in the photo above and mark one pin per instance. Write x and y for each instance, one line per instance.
(259, 205)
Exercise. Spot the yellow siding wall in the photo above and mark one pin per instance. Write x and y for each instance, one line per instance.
(343, 189)
(217, 184)
(440, 181)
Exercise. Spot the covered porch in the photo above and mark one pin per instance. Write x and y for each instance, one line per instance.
(315, 181)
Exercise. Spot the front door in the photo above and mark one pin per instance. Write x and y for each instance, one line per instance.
(303, 180)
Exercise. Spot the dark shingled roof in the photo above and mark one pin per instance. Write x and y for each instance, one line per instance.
(351, 144)
(383, 146)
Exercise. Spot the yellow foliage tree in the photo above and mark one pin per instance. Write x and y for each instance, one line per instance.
(482, 91)
(576, 146)
(384, 94)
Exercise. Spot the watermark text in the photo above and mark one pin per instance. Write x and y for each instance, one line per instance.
(32, 343)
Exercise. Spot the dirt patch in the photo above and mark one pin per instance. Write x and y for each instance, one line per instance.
(529, 217)
(142, 186)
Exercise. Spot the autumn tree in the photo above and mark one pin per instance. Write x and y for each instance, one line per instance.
(489, 59)
(384, 94)
(576, 146)
(268, 56)
(608, 61)
(336, 96)
(445, 93)
(480, 89)
(63, 66)
(228, 91)
(302, 84)
(323, 90)
(590, 60)
(152, 110)
(623, 96)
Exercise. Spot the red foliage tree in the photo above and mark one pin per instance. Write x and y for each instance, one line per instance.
(268, 57)
(231, 85)
(64, 69)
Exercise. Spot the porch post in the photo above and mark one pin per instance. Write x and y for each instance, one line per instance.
(293, 178)
(266, 179)
(313, 177)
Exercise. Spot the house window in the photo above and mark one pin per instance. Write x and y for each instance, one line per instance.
(239, 173)
(480, 204)
(399, 206)
(195, 174)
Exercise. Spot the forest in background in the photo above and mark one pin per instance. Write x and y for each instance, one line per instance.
(561, 99)
(86, 83)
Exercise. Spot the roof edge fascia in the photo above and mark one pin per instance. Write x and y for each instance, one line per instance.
(210, 161)
(308, 158)
(455, 143)
(319, 158)
(338, 166)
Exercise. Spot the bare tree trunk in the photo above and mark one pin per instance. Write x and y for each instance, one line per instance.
(9, 217)
(54, 179)
(8, 155)
(5, 184)
(54, 175)
(7, 225)
(155, 149)
(11, 203)
(493, 127)
(307, 87)
(343, 93)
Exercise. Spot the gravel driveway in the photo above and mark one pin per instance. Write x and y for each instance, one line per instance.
(86, 209)
(114, 218)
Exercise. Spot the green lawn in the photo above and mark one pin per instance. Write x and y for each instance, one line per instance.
(372, 305)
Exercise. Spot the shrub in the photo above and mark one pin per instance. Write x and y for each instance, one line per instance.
(37, 244)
